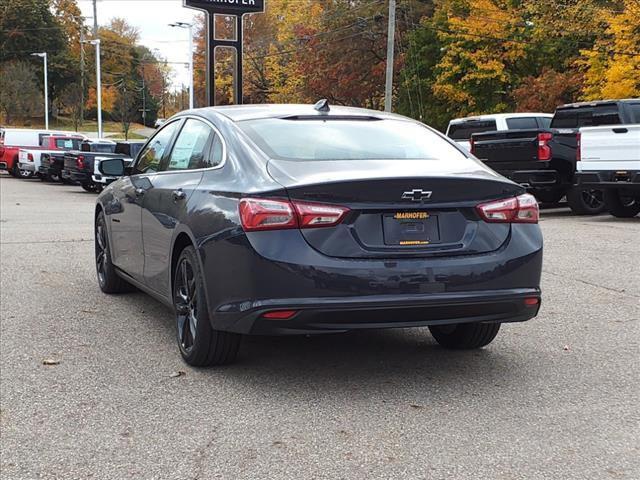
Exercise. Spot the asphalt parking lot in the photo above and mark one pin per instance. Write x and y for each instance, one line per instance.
(555, 398)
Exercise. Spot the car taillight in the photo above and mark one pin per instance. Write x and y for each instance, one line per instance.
(579, 147)
(521, 209)
(30, 157)
(266, 214)
(544, 150)
(80, 161)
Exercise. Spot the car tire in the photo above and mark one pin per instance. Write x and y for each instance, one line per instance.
(200, 345)
(15, 171)
(620, 206)
(586, 202)
(108, 279)
(465, 336)
(88, 187)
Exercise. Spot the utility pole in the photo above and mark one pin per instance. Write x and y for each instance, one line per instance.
(95, 19)
(96, 42)
(388, 89)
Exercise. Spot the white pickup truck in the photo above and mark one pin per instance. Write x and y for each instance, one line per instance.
(609, 160)
(30, 158)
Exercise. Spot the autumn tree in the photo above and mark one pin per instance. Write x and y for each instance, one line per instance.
(612, 65)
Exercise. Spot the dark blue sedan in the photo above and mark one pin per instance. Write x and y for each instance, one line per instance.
(301, 219)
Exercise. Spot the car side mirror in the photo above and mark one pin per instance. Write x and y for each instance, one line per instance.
(112, 167)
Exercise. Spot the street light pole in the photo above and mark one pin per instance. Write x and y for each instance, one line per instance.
(96, 42)
(43, 55)
(189, 26)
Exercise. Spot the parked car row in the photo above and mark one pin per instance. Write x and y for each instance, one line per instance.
(59, 156)
(589, 153)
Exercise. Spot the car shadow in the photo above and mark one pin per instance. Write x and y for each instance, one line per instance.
(365, 363)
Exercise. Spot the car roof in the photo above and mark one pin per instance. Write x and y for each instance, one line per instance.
(495, 116)
(239, 113)
(598, 102)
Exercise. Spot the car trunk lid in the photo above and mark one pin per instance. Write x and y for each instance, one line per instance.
(398, 208)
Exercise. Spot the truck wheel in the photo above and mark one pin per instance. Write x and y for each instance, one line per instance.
(88, 187)
(15, 171)
(465, 336)
(200, 345)
(621, 206)
(586, 202)
(108, 280)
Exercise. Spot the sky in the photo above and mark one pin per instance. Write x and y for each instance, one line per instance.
(152, 18)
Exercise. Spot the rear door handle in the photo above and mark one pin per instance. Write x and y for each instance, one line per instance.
(179, 195)
(620, 130)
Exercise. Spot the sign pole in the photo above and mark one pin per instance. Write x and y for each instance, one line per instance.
(237, 9)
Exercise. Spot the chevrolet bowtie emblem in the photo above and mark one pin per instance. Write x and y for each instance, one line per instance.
(416, 195)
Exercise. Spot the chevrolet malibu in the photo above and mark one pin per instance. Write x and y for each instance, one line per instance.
(296, 219)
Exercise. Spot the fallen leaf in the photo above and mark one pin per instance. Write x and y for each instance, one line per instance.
(50, 361)
(178, 373)
(566, 348)
(413, 405)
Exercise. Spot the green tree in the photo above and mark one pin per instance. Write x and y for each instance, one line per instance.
(20, 95)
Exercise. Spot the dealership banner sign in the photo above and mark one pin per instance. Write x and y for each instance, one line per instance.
(230, 7)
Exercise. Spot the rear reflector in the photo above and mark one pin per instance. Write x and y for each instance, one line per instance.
(279, 314)
(521, 209)
(266, 214)
(531, 301)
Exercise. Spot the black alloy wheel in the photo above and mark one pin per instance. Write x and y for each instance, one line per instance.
(620, 205)
(200, 344)
(186, 302)
(108, 279)
(586, 202)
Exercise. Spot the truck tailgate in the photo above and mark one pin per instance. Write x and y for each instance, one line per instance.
(610, 147)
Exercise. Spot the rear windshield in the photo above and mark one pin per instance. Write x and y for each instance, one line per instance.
(129, 149)
(68, 143)
(98, 147)
(464, 130)
(522, 123)
(587, 116)
(338, 139)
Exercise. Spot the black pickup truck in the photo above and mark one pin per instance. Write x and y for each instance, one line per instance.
(79, 165)
(51, 166)
(544, 160)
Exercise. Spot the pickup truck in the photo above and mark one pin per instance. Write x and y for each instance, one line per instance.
(51, 166)
(13, 139)
(544, 159)
(29, 159)
(609, 160)
(79, 167)
(461, 129)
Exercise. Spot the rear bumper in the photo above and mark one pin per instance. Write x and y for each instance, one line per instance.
(339, 314)
(267, 271)
(27, 167)
(80, 177)
(536, 178)
(605, 180)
